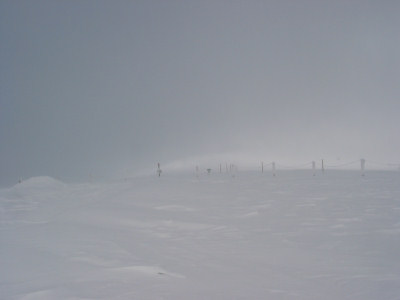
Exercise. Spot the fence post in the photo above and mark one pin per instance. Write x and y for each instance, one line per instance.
(362, 166)
(159, 170)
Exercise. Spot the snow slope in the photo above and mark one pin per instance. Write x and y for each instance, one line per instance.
(252, 236)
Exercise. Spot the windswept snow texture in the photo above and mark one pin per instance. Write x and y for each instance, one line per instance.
(252, 236)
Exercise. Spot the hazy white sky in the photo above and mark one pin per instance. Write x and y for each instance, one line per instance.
(93, 86)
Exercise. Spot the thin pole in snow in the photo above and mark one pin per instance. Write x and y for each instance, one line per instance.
(362, 166)
(158, 169)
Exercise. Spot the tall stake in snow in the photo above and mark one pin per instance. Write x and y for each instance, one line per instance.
(313, 168)
(273, 169)
(159, 170)
(362, 166)
(262, 167)
(322, 166)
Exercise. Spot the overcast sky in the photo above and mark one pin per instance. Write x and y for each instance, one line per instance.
(96, 86)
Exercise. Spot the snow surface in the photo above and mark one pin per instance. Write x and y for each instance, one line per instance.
(252, 236)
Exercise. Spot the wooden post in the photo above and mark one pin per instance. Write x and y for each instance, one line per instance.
(362, 166)
(159, 170)
(313, 168)
(262, 167)
(273, 169)
(322, 166)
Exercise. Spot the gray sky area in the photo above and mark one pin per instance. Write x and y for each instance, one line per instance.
(93, 87)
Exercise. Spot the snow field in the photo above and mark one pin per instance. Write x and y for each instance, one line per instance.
(254, 236)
